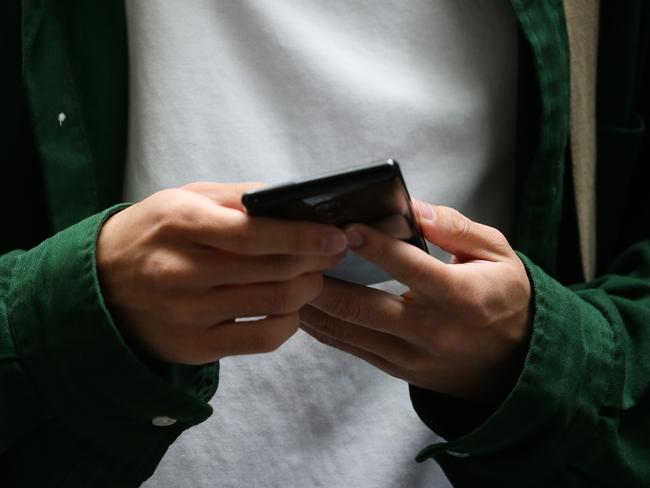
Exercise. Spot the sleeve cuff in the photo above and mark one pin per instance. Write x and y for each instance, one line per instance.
(79, 362)
(554, 404)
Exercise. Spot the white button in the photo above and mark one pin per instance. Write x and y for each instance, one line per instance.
(458, 454)
(61, 118)
(163, 421)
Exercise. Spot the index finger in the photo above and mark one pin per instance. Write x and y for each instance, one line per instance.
(405, 262)
(232, 230)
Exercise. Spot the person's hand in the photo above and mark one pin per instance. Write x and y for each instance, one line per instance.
(462, 328)
(179, 267)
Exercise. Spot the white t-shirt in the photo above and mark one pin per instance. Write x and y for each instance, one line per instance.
(277, 90)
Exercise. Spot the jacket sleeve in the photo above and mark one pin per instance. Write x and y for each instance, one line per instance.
(77, 406)
(578, 415)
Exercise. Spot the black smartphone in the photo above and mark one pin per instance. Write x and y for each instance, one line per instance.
(373, 194)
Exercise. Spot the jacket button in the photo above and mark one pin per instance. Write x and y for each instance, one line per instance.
(163, 421)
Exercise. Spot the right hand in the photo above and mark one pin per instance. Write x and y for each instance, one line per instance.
(179, 267)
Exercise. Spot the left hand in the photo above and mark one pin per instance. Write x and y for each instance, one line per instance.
(462, 328)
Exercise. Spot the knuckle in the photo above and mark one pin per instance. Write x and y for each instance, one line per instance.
(242, 236)
(174, 211)
(278, 298)
(294, 266)
(200, 187)
(285, 267)
(165, 198)
(420, 271)
(251, 185)
(378, 252)
(348, 307)
(328, 328)
(498, 236)
(500, 242)
(457, 223)
(161, 269)
(297, 240)
(299, 291)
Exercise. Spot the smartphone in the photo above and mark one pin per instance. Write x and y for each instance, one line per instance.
(373, 194)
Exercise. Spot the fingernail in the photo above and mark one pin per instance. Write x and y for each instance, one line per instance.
(355, 239)
(334, 242)
(426, 211)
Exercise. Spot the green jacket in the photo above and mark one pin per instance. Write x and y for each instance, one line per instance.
(77, 402)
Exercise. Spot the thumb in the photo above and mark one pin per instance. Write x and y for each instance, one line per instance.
(467, 240)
